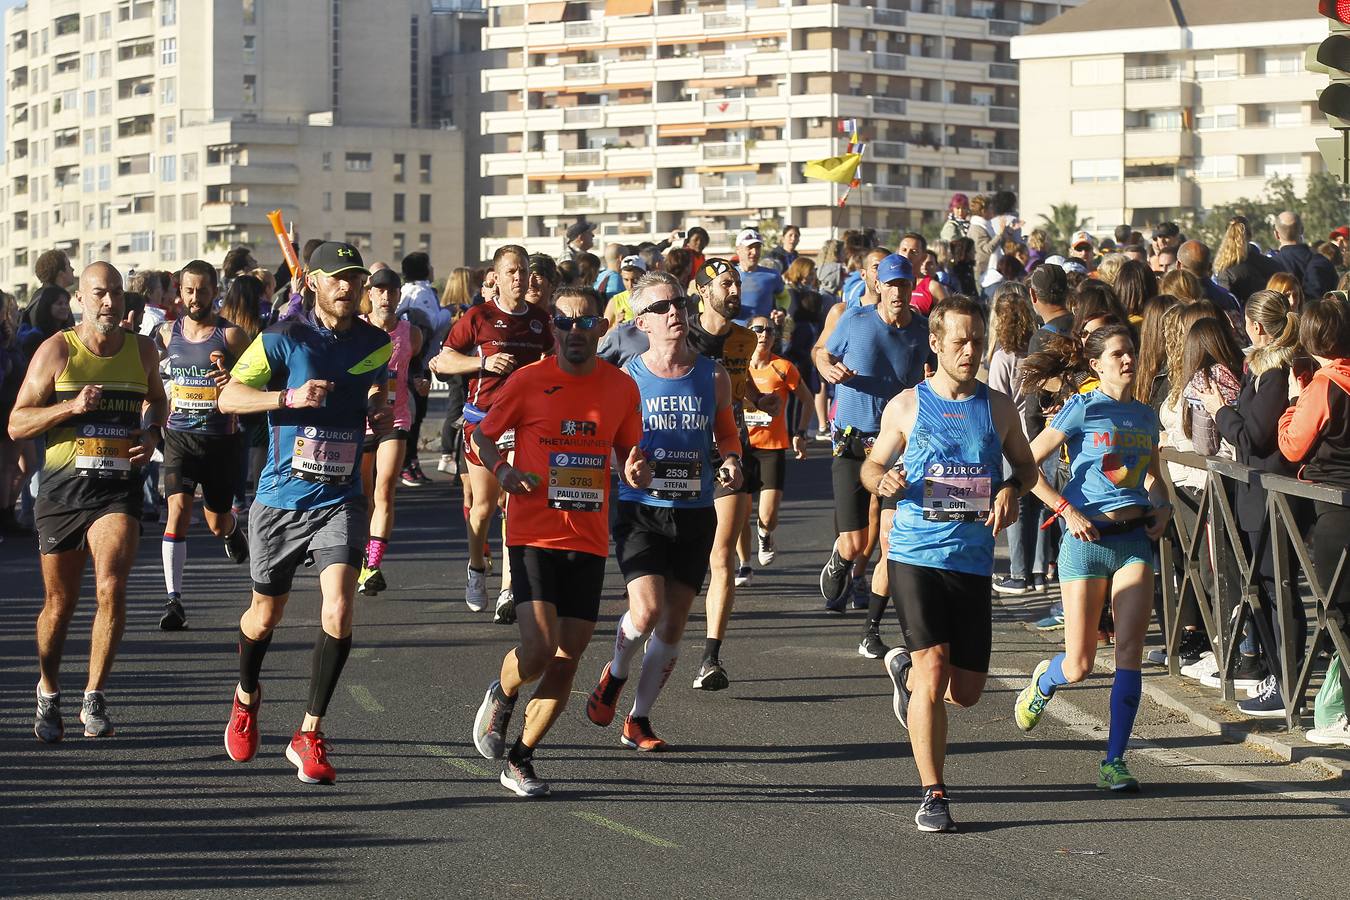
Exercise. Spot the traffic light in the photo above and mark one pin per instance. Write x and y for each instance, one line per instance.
(1333, 59)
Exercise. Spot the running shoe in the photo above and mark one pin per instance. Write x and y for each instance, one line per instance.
(236, 545)
(766, 547)
(1338, 732)
(1248, 673)
(834, 580)
(638, 734)
(822, 435)
(475, 588)
(1115, 777)
(47, 725)
(600, 705)
(447, 464)
(862, 592)
(94, 715)
(174, 617)
(518, 776)
(1011, 586)
(744, 575)
(933, 815)
(241, 734)
(1031, 702)
(1054, 621)
(1194, 647)
(871, 646)
(371, 581)
(416, 466)
(489, 726)
(308, 752)
(1267, 702)
(897, 666)
(408, 478)
(711, 677)
(504, 613)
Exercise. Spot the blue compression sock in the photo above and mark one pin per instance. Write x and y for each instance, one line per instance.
(1125, 693)
(1053, 677)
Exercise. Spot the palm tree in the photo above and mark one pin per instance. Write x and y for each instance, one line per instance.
(1062, 222)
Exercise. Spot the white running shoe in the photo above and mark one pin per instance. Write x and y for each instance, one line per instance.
(744, 575)
(447, 464)
(1206, 665)
(766, 548)
(475, 589)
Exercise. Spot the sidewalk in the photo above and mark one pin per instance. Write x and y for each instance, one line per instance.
(1202, 705)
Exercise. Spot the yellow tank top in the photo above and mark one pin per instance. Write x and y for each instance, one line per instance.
(623, 306)
(88, 459)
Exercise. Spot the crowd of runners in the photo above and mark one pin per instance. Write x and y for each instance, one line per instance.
(652, 397)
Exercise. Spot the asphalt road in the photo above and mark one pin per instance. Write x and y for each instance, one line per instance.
(797, 782)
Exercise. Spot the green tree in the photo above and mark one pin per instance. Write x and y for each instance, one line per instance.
(1326, 205)
(1062, 222)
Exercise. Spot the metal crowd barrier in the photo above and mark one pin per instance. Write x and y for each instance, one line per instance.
(1203, 562)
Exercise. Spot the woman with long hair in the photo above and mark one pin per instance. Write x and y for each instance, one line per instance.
(806, 314)
(1114, 506)
(1290, 287)
(1177, 325)
(1093, 299)
(1151, 376)
(961, 266)
(1183, 285)
(1239, 267)
(1211, 362)
(1109, 268)
(243, 306)
(1135, 283)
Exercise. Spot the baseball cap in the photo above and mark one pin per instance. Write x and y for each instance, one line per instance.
(386, 278)
(894, 268)
(1050, 282)
(710, 270)
(577, 229)
(1343, 231)
(334, 257)
(633, 262)
(748, 236)
(543, 264)
(1080, 238)
(1074, 265)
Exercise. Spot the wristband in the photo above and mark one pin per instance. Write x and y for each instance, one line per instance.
(1063, 505)
(286, 399)
(1012, 482)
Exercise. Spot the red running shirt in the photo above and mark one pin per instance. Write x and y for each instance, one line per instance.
(565, 428)
(486, 330)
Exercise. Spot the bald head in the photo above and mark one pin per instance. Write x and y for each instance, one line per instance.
(1193, 256)
(101, 297)
(1288, 227)
(99, 273)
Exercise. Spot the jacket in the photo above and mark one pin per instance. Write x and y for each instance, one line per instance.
(1250, 275)
(1252, 427)
(1315, 271)
(1316, 430)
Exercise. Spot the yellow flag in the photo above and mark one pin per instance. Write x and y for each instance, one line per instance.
(838, 169)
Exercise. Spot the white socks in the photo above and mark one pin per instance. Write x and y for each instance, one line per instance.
(627, 642)
(174, 553)
(657, 664)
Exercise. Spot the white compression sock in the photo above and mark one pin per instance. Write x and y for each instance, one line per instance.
(657, 664)
(627, 642)
(174, 554)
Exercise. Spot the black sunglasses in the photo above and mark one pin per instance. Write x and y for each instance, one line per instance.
(760, 329)
(661, 307)
(565, 323)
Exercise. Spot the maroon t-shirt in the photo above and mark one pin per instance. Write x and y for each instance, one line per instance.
(486, 330)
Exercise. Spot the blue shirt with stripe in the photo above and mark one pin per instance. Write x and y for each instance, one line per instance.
(887, 359)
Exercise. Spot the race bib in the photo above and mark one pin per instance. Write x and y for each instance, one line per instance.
(676, 479)
(195, 398)
(576, 482)
(392, 388)
(956, 492)
(508, 440)
(757, 419)
(103, 451)
(325, 455)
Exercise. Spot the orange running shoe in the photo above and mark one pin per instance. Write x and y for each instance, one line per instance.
(638, 734)
(600, 705)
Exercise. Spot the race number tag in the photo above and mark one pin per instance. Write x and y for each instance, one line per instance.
(392, 388)
(757, 419)
(325, 455)
(195, 398)
(508, 440)
(956, 492)
(103, 451)
(676, 479)
(576, 482)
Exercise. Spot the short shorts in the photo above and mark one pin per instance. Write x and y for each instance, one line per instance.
(61, 529)
(569, 580)
(750, 480)
(211, 461)
(375, 440)
(938, 606)
(1082, 560)
(772, 468)
(660, 540)
(279, 540)
(506, 442)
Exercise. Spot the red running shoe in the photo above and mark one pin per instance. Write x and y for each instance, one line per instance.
(241, 735)
(310, 756)
(638, 734)
(600, 705)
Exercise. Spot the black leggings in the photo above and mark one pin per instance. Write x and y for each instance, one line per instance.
(415, 432)
(1328, 543)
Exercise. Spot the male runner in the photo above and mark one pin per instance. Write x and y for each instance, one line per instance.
(320, 377)
(487, 344)
(927, 290)
(664, 534)
(94, 391)
(940, 452)
(762, 288)
(202, 445)
(569, 413)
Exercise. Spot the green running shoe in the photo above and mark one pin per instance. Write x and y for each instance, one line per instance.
(1031, 702)
(1115, 777)
(371, 581)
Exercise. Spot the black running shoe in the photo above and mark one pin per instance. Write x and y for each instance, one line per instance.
(711, 677)
(933, 815)
(871, 646)
(174, 617)
(236, 545)
(834, 579)
(897, 666)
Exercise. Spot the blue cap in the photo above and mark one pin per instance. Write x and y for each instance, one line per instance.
(894, 268)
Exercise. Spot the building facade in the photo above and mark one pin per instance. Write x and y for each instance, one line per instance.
(1178, 107)
(644, 116)
(150, 132)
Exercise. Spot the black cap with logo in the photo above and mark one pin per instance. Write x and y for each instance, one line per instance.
(335, 257)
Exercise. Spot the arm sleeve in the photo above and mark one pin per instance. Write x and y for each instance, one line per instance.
(725, 434)
(1302, 424)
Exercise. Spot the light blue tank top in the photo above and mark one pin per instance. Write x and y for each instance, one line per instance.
(954, 464)
(677, 435)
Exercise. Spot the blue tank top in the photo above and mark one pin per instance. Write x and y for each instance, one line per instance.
(677, 435)
(192, 391)
(954, 463)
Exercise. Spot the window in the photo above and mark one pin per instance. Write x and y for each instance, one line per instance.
(360, 240)
(89, 142)
(105, 177)
(1097, 121)
(1153, 119)
(88, 28)
(400, 241)
(400, 166)
(189, 166)
(327, 201)
(168, 209)
(1283, 115)
(168, 248)
(1216, 118)
(250, 12)
(105, 25)
(1090, 170)
(90, 101)
(90, 65)
(1281, 164)
(105, 139)
(104, 63)
(189, 207)
(328, 160)
(250, 95)
(104, 101)
(1277, 63)
(141, 241)
(88, 185)
(167, 130)
(189, 246)
(424, 208)
(168, 91)
(168, 168)
(1095, 71)
(424, 242)
(1215, 66)
(357, 201)
(250, 49)
(105, 215)
(424, 168)
(168, 51)
(1217, 167)
(398, 207)
(358, 162)
(168, 12)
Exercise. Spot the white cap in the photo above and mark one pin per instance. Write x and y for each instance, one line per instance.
(633, 262)
(1074, 265)
(1082, 237)
(748, 236)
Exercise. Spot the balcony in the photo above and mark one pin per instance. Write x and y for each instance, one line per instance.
(579, 202)
(1003, 28)
(1002, 72)
(1161, 145)
(888, 106)
(723, 21)
(1171, 72)
(583, 115)
(1005, 159)
(889, 18)
(724, 65)
(885, 194)
(730, 108)
(724, 195)
(886, 150)
(583, 72)
(727, 152)
(1003, 114)
(577, 32)
(888, 62)
(583, 159)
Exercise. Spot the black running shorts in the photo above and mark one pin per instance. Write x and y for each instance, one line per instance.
(675, 544)
(213, 461)
(938, 606)
(772, 468)
(569, 580)
(61, 529)
(750, 483)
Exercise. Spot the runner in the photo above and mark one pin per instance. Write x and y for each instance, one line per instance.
(762, 288)
(927, 290)
(619, 310)
(541, 281)
(769, 442)
(1113, 506)
(94, 391)
(664, 534)
(320, 376)
(569, 411)
(487, 344)
(202, 446)
(714, 334)
(940, 453)
(872, 355)
(384, 453)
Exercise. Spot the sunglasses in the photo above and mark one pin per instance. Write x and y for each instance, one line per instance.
(585, 323)
(661, 307)
(761, 329)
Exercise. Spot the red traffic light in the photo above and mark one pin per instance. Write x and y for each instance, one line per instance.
(1335, 9)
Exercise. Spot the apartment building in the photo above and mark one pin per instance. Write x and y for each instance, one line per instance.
(1137, 112)
(149, 132)
(647, 115)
